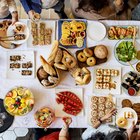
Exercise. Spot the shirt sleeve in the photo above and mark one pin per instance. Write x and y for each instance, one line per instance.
(104, 128)
(88, 133)
(26, 5)
(12, 5)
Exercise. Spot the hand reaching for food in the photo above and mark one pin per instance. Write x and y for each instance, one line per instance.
(111, 113)
(14, 17)
(67, 120)
(33, 15)
(118, 2)
(131, 129)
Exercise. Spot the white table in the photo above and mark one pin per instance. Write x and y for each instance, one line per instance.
(46, 97)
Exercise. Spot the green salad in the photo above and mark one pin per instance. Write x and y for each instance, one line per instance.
(126, 51)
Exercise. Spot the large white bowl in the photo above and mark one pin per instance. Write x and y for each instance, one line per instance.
(132, 62)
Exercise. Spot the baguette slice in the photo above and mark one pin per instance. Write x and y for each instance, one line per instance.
(47, 67)
(53, 53)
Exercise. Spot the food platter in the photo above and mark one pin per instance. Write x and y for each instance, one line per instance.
(19, 101)
(84, 64)
(130, 102)
(98, 106)
(122, 49)
(106, 82)
(20, 64)
(129, 121)
(122, 32)
(72, 33)
(4, 24)
(96, 31)
(43, 33)
(131, 79)
(18, 28)
(59, 107)
(44, 117)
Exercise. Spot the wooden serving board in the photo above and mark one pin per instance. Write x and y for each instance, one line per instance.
(84, 64)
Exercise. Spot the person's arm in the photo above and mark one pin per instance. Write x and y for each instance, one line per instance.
(64, 134)
(13, 10)
(26, 5)
(130, 130)
(138, 134)
(103, 119)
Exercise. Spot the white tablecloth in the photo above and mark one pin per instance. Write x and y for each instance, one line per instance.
(46, 97)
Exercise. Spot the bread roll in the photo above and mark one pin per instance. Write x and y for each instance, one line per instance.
(47, 67)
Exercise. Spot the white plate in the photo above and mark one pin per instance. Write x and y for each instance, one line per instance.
(121, 114)
(116, 79)
(96, 30)
(49, 24)
(59, 107)
(10, 32)
(15, 73)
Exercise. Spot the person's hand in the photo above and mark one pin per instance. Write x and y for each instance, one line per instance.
(111, 113)
(33, 15)
(118, 2)
(131, 129)
(67, 120)
(14, 17)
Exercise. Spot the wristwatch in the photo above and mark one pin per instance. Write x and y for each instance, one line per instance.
(100, 120)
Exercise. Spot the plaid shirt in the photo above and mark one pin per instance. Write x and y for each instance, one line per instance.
(7, 7)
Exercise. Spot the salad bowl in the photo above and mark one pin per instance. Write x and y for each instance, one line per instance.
(125, 52)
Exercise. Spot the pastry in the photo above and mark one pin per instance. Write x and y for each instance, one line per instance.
(52, 79)
(45, 83)
(101, 107)
(102, 100)
(47, 67)
(68, 60)
(126, 103)
(101, 114)
(91, 61)
(94, 106)
(19, 28)
(58, 56)
(101, 51)
(88, 52)
(136, 107)
(121, 122)
(81, 57)
(94, 113)
(94, 99)
(26, 72)
(99, 72)
(60, 66)
(42, 74)
(53, 52)
(108, 104)
(93, 120)
(128, 115)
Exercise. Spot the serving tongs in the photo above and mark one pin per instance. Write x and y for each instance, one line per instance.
(13, 37)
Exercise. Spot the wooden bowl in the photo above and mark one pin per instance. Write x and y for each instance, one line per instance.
(51, 85)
